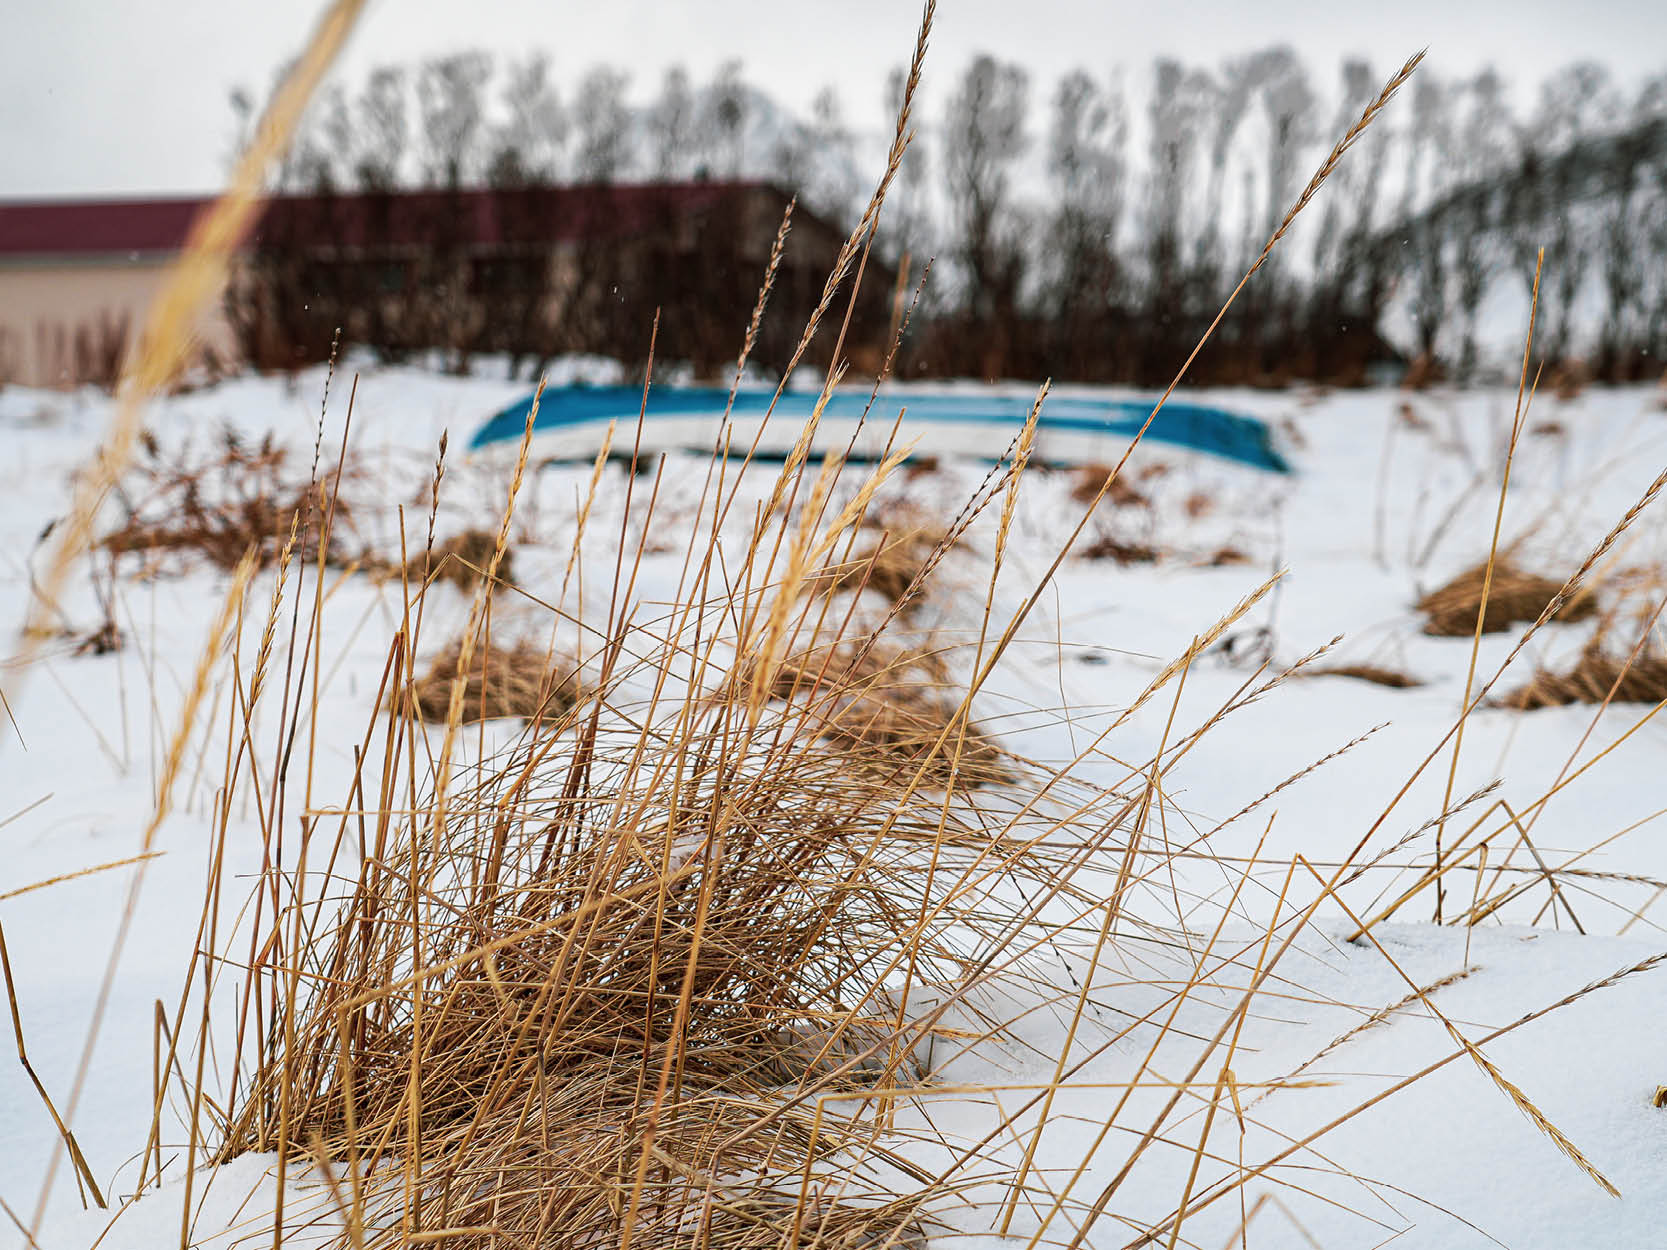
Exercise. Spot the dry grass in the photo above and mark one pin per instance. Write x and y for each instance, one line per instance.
(1513, 596)
(890, 565)
(461, 560)
(626, 1004)
(1569, 378)
(661, 980)
(523, 680)
(1598, 676)
(1378, 675)
(1119, 552)
(217, 506)
(1088, 479)
(890, 707)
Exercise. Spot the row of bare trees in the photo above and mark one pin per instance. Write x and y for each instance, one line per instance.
(1098, 240)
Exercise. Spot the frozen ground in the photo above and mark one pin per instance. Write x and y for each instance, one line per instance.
(1382, 505)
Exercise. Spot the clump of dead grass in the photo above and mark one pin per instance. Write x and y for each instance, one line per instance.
(893, 562)
(461, 560)
(1514, 596)
(524, 680)
(1087, 479)
(216, 506)
(640, 976)
(1598, 675)
(1377, 674)
(1119, 552)
(1569, 378)
(891, 707)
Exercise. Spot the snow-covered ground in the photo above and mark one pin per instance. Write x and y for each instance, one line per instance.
(1391, 495)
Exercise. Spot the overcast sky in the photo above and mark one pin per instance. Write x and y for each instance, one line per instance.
(129, 96)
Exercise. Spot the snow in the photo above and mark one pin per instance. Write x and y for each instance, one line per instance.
(1378, 510)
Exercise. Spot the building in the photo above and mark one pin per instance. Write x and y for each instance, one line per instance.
(533, 272)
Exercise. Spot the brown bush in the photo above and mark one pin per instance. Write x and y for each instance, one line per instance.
(1569, 379)
(1513, 596)
(1425, 371)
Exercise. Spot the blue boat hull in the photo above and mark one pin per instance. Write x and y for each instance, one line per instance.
(570, 421)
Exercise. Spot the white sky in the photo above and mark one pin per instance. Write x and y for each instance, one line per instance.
(129, 96)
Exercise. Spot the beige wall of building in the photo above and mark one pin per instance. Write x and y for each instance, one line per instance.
(59, 316)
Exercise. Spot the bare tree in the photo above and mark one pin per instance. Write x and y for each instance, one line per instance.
(1230, 101)
(984, 133)
(671, 125)
(906, 224)
(724, 115)
(1427, 173)
(1348, 270)
(450, 104)
(1289, 103)
(1086, 166)
(1625, 237)
(1177, 104)
(1653, 101)
(527, 143)
(384, 129)
(1572, 102)
(834, 187)
(1483, 143)
(603, 121)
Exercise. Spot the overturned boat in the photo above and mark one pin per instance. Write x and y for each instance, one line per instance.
(571, 422)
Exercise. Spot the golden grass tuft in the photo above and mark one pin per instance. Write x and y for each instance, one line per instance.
(1513, 596)
(638, 978)
(523, 680)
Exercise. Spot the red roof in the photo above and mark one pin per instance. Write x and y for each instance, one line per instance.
(83, 227)
(401, 218)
